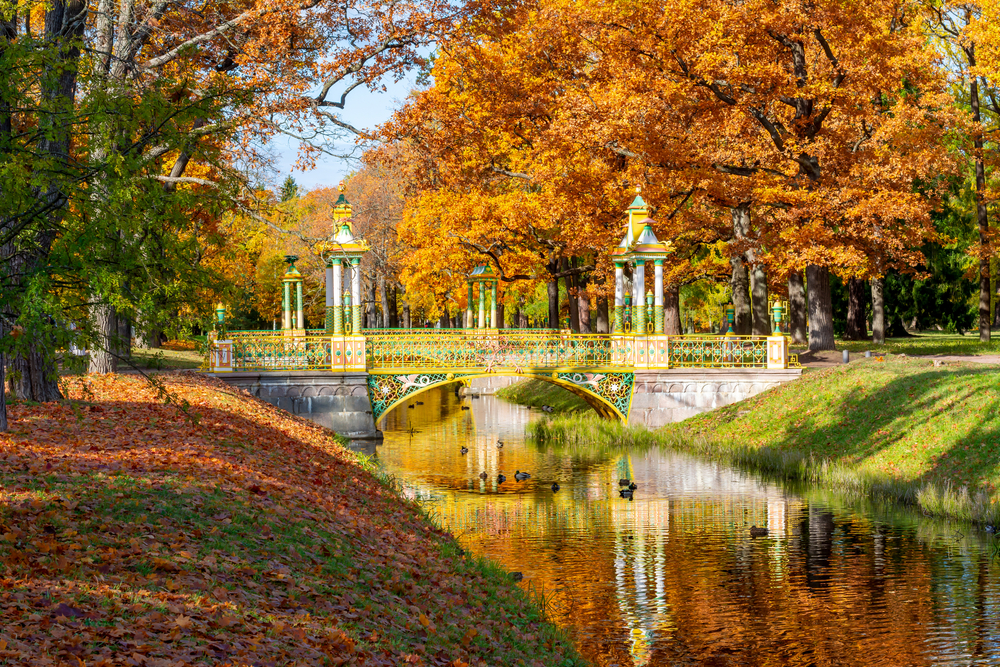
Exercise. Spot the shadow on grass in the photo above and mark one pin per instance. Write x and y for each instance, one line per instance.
(150, 530)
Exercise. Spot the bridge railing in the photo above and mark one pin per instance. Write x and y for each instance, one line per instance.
(509, 348)
(513, 349)
(252, 352)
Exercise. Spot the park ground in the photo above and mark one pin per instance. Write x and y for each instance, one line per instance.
(184, 522)
(920, 431)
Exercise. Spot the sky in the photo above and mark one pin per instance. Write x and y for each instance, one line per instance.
(364, 109)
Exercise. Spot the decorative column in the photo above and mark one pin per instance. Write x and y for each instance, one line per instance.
(338, 292)
(650, 314)
(300, 322)
(619, 297)
(469, 322)
(356, 296)
(328, 283)
(493, 305)
(658, 323)
(639, 318)
(286, 306)
(482, 305)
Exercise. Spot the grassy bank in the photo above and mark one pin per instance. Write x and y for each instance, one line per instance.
(923, 343)
(900, 429)
(219, 530)
(536, 393)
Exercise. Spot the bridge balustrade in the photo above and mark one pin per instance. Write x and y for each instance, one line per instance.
(491, 351)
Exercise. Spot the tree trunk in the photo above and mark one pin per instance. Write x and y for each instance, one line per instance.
(124, 338)
(820, 309)
(878, 310)
(980, 196)
(103, 353)
(443, 320)
(583, 307)
(672, 310)
(996, 305)
(857, 326)
(603, 326)
(407, 322)
(758, 288)
(796, 308)
(740, 282)
(571, 298)
(553, 294)
(3, 392)
(371, 309)
(393, 313)
(500, 313)
(383, 295)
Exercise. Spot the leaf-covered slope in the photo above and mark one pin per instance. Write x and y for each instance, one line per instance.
(132, 532)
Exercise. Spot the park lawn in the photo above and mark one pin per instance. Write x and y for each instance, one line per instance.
(216, 529)
(899, 428)
(166, 358)
(535, 393)
(924, 343)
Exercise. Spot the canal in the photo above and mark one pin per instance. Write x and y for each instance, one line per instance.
(674, 576)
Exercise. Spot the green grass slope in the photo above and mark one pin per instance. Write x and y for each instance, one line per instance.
(900, 428)
(536, 393)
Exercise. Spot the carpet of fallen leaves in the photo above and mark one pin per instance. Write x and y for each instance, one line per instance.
(135, 532)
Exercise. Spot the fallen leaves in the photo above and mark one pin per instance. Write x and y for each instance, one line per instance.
(132, 535)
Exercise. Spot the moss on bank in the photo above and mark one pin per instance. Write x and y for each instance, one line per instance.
(227, 531)
(899, 429)
(535, 393)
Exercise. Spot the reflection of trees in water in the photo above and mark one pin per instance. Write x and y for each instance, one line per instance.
(674, 578)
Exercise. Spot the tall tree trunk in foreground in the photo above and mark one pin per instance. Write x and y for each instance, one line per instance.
(878, 310)
(571, 297)
(603, 326)
(820, 309)
(796, 308)
(857, 327)
(739, 282)
(672, 310)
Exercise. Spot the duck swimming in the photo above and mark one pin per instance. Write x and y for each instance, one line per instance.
(521, 476)
(465, 450)
(757, 532)
(555, 486)
(501, 479)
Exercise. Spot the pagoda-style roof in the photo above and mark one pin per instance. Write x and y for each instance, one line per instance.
(482, 272)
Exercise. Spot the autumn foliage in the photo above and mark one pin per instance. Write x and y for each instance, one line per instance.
(219, 528)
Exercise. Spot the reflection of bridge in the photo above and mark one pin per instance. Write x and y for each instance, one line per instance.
(650, 378)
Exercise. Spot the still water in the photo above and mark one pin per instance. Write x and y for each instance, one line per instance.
(673, 577)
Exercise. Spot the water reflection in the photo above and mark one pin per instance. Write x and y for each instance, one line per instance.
(674, 577)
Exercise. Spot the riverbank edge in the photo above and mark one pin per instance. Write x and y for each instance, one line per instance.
(535, 393)
(965, 499)
(70, 486)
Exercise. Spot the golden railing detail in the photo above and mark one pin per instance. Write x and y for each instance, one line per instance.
(492, 350)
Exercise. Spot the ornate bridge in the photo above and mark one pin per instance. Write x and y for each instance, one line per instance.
(399, 363)
(636, 373)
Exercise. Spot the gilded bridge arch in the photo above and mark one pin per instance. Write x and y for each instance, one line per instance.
(608, 391)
